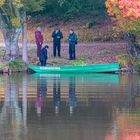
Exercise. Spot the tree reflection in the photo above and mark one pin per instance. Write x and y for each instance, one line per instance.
(11, 122)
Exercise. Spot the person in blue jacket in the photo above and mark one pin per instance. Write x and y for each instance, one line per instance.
(43, 56)
(72, 44)
(57, 36)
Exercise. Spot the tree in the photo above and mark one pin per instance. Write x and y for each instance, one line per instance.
(127, 17)
(12, 17)
(127, 14)
(67, 9)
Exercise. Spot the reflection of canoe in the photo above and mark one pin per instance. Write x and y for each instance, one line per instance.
(81, 78)
(96, 68)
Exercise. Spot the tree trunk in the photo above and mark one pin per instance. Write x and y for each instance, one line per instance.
(24, 40)
(133, 46)
(11, 37)
(24, 103)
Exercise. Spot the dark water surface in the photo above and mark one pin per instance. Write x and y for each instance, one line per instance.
(70, 107)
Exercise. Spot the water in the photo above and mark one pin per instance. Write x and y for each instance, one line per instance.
(70, 107)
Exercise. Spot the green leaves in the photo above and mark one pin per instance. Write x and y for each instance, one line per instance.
(33, 5)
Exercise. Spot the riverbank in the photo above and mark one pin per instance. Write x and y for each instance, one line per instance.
(90, 53)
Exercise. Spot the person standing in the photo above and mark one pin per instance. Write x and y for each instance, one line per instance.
(72, 44)
(39, 40)
(57, 35)
(43, 56)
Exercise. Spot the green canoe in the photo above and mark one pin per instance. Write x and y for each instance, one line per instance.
(95, 68)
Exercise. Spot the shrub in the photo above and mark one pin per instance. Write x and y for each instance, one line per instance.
(90, 24)
(137, 65)
(16, 65)
(125, 60)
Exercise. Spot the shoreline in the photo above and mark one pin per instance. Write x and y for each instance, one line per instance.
(91, 53)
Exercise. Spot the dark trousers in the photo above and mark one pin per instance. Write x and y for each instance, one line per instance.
(38, 50)
(72, 54)
(43, 63)
(56, 48)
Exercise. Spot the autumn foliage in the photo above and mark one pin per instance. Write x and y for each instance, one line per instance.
(124, 8)
(127, 13)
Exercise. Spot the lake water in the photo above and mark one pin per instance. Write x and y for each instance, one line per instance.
(70, 107)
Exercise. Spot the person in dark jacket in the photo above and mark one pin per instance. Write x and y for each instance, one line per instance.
(43, 56)
(72, 43)
(57, 36)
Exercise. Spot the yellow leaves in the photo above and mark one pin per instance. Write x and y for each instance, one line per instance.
(2, 2)
(16, 21)
(18, 3)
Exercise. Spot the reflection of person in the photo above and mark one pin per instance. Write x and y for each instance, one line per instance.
(43, 56)
(38, 104)
(41, 93)
(72, 43)
(56, 94)
(72, 94)
(57, 36)
(39, 40)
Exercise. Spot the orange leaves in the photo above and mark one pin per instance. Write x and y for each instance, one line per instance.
(127, 13)
(127, 8)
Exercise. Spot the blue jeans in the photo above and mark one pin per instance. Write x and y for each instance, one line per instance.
(72, 54)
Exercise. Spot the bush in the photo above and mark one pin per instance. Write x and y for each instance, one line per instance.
(90, 24)
(125, 60)
(16, 65)
(137, 65)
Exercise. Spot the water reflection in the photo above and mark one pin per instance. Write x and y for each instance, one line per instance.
(12, 123)
(41, 94)
(56, 94)
(72, 94)
(78, 107)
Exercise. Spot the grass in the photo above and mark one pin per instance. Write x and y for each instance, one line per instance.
(78, 62)
(2, 66)
(16, 65)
